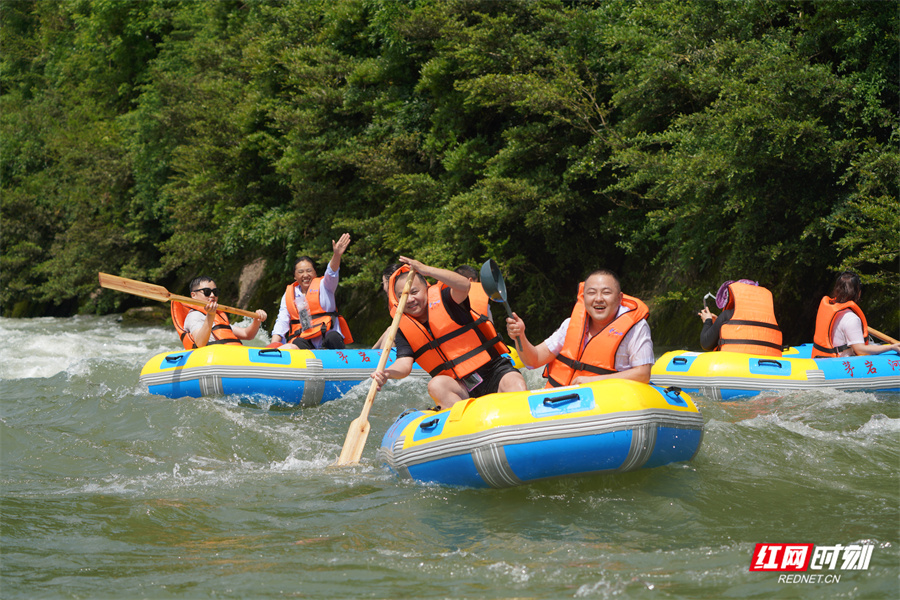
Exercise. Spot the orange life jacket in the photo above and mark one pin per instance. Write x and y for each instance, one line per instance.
(753, 328)
(478, 299)
(221, 329)
(443, 346)
(823, 339)
(598, 356)
(321, 321)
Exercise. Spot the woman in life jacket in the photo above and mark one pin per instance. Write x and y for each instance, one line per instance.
(439, 331)
(606, 336)
(747, 322)
(198, 327)
(307, 316)
(841, 328)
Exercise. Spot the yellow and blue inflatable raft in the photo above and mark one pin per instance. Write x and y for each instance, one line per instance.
(504, 440)
(731, 375)
(295, 377)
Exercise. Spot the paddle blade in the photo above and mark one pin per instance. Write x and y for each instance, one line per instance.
(135, 288)
(354, 444)
(492, 280)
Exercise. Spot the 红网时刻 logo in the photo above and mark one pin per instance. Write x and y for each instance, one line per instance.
(810, 559)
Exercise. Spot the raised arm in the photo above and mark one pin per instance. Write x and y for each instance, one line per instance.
(339, 248)
(459, 285)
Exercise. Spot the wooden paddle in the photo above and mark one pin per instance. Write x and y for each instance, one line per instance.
(158, 292)
(883, 337)
(359, 428)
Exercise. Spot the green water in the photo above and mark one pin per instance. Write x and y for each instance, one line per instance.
(109, 492)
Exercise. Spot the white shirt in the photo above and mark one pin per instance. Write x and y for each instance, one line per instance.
(194, 320)
(847, 330)
(326, 301)
(635, 350)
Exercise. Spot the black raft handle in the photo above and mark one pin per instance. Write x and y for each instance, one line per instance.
(557, 400)
(679, 360)
(430, 424)
(770, 362)
(268, 351)
(174, 357)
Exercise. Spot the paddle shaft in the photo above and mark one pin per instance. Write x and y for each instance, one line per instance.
(510, 313)
(359, 428)
(158, 292)
(883, 337)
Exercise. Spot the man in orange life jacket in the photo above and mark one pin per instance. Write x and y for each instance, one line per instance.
(841, 328)
(607, 336)
(457, 346)
(326, 328)
(747, 324)
(208, 326)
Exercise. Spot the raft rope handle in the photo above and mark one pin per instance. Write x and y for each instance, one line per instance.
(770, 362)
(429, 424)
(268, 351)
(174, 357)
(679, 360)
(551, 402)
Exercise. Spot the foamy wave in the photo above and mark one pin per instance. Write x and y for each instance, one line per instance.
(44, 347)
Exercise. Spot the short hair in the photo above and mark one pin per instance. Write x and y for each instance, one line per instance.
(605, 272)
(198, 280)
(390, 270)
(847, 287)
(397, 281)
(467, 271)
(304, 258)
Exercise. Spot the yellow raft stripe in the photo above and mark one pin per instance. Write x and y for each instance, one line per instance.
(512, 409)
(729, 365)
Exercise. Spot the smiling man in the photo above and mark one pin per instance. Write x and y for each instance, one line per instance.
(441, 332)
(199, 327)
(607, 336)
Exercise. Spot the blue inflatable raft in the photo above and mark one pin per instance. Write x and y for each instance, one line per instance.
(730, 375)
(504, 440)
(297, 377)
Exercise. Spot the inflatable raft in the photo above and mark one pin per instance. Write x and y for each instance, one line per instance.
(504, 440)
(298, 377)
(728, 375)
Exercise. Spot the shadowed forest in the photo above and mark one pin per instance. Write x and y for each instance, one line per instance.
(678, 142)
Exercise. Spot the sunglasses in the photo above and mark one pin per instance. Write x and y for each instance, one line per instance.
(208, 292)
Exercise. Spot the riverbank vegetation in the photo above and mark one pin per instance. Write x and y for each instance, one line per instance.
(679, 142)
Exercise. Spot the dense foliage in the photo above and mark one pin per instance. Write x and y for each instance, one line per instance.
(680, 143)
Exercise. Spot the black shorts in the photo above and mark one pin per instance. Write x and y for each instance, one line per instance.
(491, 374)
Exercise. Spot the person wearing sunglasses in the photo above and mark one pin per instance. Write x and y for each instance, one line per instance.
(200, 327)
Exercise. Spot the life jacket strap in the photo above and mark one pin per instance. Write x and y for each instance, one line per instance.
(184, 334)
(437, 342)
(577, 365)
(323, 329)
(835, 351)
(487, 345)
(725, 342)
(752, 323)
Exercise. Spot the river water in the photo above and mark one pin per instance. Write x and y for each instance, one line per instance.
(110, 492)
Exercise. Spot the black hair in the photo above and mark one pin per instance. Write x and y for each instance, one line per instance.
(605, 272)
(390, 270)
(468, 271)
(419, 275)
(847, 287)
(301, 259)
(197, 281)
